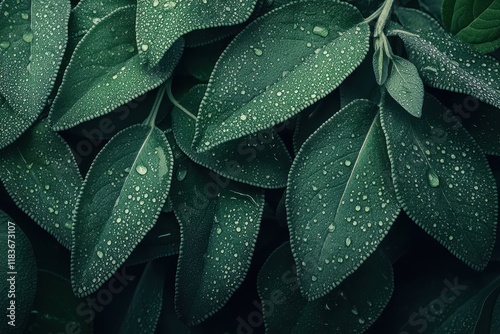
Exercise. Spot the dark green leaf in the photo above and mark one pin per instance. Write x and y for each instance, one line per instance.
(433, 7)
(340, 199)
(32, 42)
(495, 324)
(41, 176)
(104, 72)
(380, 66)
(120, 201)
(260, 160)
(483, 126)
(219, 220)
(350, 308)
(319, 44)
(442, 180)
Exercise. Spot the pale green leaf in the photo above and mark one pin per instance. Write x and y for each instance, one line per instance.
(380, 66)
(40, 174)
(340, 199)
(104, 72)
(319, 44)
(33, 36)
(442, 180)
(120, 201)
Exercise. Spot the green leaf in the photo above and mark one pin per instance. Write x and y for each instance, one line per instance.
(104, 72)
(340, 199)
(145, 307)
(433, 7)
(324, 41)
(40, 174)
(172, 19)
(219, 220)
(380, 66)
(405, 86)
(350, 308)
(120, 201)
(18, 268)
(495, 324)
(474, 21)
(442, 180)
(33, 39)
(261, 160)
(445, 62)
(483, 126)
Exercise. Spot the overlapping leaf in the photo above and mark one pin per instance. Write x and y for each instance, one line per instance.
(33, 36)
(442, 180)
(120, 201)
(319, 44)
(340, 199)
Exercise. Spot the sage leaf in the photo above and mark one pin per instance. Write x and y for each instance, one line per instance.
(442, 180)
(219, 221)
(445, 62)
(405, 86)
(319, 37)
(120, 201)
(261, 160)
(380, 66)
(33, 37)
(41, 175)
(22, 269)
(340, 200)
(172, 19)
(495, 324)
(350, 308)
(433, 7)
(483, 125)
(474, 21)
(104, 72)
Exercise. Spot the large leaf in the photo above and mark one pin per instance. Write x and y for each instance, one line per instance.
(350, 308)
(219, 220)
(33, 39)
(442, 180)
(474, 21)
(445, 62)
(340, 199)
(40, 174)
(18, 279)
(483, 126)
(172, 19)
(260, 160)
(104, 72)
(319, 44)
(119, 203)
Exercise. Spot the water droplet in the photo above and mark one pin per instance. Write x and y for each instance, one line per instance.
(4, 45)
(25, 16)
(258, 52)
(100, 254)
(27, 36)
(142, 170)
(314, 278)
(156, 3)
(181, 174)
(144, 47)
(218, 230)
(243, 117)
(347, 163)
(47, 187)
(348, 242)
(320, 31)
(331, 228)
(432, 178)
(169, 5)
(96, 20)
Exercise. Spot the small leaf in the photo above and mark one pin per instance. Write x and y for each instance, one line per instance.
(380, 66)
(483, 126)
(40, 174)
(474, 21)
(18, 268)
(120, 201)
(445, 62)
(33, 37)
(442, 180)
(261, 160)
(324, 42)
(340, 200)
(145, 307)
(219, 220)
(350, 308)
(405, 86)
(104, 72)
(172, 19)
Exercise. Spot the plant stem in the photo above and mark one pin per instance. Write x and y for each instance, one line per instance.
(176, 103)
(151, 120)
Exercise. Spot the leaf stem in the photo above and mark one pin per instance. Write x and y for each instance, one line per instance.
(176, 103)
(151, 120)
(382, 19)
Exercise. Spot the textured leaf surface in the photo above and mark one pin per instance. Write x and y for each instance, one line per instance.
(119, 203)
(41, 176)
(172, 19)
(104, 72)
(340, 200)
(252, 89)
(405, 86)
(445, 62)
(219, 220)
(476, 22)
(442, 180)
(483, 126)
(260, 160)
(145, 307)
(33, 37)
(350, 308)
(25, 271)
